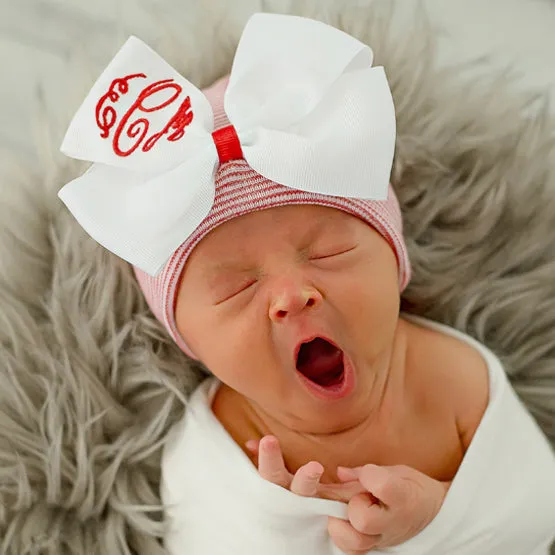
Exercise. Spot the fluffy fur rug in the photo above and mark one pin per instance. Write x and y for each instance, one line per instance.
(89, 383)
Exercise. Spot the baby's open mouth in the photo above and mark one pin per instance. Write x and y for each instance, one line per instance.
(321, 362)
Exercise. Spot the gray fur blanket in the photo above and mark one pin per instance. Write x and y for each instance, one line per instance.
(90, 383)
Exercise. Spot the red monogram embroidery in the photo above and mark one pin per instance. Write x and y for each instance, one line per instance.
(106, 117)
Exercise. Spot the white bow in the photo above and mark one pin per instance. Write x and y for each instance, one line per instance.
(307, 108)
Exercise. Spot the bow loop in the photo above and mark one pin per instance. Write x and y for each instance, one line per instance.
(140, 114)
(142, 218)
(283, 68)
(356, 124)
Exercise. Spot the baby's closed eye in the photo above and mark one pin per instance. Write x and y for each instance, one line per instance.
(330, 256)
(233, 288)
(322, 254)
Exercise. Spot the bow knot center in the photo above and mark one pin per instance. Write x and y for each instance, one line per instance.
(227, 144)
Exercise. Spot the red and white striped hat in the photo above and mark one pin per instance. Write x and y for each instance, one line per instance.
(240, 190)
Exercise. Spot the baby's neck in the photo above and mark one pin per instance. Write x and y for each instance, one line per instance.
(378, 431)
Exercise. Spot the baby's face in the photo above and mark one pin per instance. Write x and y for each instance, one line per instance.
(257, 285)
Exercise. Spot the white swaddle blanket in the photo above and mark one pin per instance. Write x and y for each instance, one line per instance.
(502, 500)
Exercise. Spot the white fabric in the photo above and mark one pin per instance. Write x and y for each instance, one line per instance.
(501, 502)
(309, 110)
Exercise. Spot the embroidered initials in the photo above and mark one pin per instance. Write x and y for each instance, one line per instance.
(136, 127)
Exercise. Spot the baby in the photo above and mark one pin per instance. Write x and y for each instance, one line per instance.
(263, 231)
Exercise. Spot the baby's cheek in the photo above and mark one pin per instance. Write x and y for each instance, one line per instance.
(368, 307)
(235, 352)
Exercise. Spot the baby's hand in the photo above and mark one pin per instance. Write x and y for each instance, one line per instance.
(398, 503)
(386, 505)
(306, 481)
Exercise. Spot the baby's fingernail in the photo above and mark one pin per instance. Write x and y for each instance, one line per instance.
(316, 470)
(251, 444)
(269, 441)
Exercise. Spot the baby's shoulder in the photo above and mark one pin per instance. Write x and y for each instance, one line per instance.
(455, 373)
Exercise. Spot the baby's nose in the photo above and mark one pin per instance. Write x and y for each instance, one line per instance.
(292, 299)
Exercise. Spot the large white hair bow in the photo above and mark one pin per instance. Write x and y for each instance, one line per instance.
(307, 111)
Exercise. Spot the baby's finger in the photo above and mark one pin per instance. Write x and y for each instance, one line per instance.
(306, 481)
(349, 540)
(270, 462)
(381, 482)
(341, 492)
(369, 517)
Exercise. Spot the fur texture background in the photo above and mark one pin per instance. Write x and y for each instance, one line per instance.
(89, 382)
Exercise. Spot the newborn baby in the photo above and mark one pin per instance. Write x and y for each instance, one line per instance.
(271, 247)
